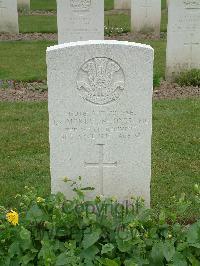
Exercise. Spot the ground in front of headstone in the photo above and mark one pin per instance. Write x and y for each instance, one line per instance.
(25, 91)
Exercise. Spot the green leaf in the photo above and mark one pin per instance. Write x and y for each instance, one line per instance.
(35, 214)
(14, 249)
(27, 258)
(168, 250)
(193, 235)
(108, 262)
(157, 254)
(61, 259)
(179, 260)
(130, 263)
(107, 248)
(25, 237)
(91, 238)
(25, 234)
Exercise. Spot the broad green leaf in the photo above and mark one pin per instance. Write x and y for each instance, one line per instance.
(157, 254)
(107, 248)
(179, 260)
(25, 260)
(61, 260)
(35, 214)
(108, 262)
(91, 238)
(14, 249)
(90, 252)
(193, 235)
(168, 250)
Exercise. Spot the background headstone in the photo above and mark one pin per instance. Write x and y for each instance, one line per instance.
(23, 5)
(146, 16)
(183, 37)
(80, 20)
(122, 4)
(9, 16)
(100, 115)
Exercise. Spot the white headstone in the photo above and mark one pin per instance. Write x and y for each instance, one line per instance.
(23, 4)
(122, 4)
(100, 115)
(80, 20)
(8, 16)
(183, 37)
(146, 16)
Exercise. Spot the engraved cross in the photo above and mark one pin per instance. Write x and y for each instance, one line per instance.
(101, 164)
(147, 5)
(191, 45)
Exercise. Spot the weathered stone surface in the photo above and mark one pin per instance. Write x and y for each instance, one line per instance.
(8, 16)
(146, 16)
(23, 4)
(122, 4)
(80, 20)
(183, 38)
(100, 116)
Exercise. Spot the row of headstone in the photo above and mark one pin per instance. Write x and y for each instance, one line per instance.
(100, 95)
(99, 106)
(84, 20)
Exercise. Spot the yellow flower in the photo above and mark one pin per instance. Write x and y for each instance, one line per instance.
(12, 217)
(40, 200)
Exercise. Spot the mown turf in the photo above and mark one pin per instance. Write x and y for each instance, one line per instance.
(51, 4)
(24, 157)
(48, 24)
(42, 24)
(25, 60)
(176, 146)
(43, 5)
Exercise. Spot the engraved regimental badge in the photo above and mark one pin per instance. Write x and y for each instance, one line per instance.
(192, 4)
(100, 80)
(80, 5)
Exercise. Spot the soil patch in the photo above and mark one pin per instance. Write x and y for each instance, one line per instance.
(174, 91)
(29, 37)
(54, 37)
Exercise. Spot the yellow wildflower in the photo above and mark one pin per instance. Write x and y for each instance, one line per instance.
(12, 217)
(40, 200)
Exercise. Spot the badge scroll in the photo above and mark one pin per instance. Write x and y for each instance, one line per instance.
(100, 80)
(80, 5)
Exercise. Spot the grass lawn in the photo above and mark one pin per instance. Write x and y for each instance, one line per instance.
(25, 60)
(43, 24)
(24, 157)
(51, 4)
(48, 24)
(43, 5)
